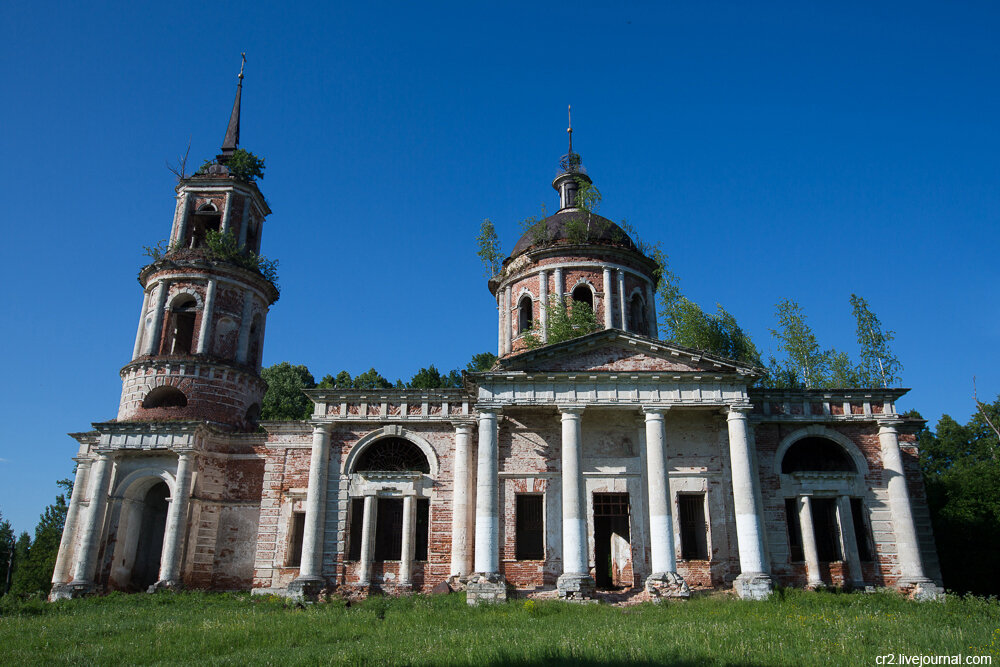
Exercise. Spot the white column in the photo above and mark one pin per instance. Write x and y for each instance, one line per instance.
(907, 546)
(749, 531)
(574, 506)
(244, 338)
(543, 304)
(137, 349)
(487, 496)
(809, 552)
(654, 330)
(508, 327)
(173, 536)
(61, 573)
(460, 503)
(559, 287)
(226, 208)
(408, 547)
(153, 339)
(207, 314)
(367, 541)
(313, 532)
(622, 305)
(853, 578)
(180, 219)
(500, 352)
(608, 301)
(93, 521)
(661, 521)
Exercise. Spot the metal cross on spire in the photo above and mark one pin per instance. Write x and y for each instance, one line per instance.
(569, 130)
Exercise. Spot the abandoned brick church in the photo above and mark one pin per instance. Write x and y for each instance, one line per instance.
(611, 461)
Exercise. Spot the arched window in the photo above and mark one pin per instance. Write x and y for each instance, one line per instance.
(165, 397)
(180, 335)
(392, 455)
(816, 454)
(525, 314)
(206, 218)
(583, 294)
(637, 315)
(253, 414)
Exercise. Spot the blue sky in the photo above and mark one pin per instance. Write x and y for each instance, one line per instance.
(775, 150)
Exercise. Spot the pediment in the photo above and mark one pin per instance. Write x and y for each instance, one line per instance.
(613, 350)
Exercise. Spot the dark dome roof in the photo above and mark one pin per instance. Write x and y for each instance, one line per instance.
(600, 231)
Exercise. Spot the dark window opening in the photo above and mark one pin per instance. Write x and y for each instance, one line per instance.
(637, 315)
(251, 242)
(612, 547)
(826, 529)
(816, 454)
(296, 529)
(529, 531)
(795, 553)
(694, 530)
(355, 529)
(524, 314)
(205, 219)
(423, 527)
(582, 294)
(165, 397)
(389, 529)
(181, 328)
(392, 455)
(253, 414)
(862, 530)
(253, 347)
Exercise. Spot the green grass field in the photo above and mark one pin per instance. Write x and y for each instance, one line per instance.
(793, 628)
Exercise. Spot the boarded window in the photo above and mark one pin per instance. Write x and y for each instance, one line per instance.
(296, 529)
(826, 528)
(356, 528)
(423, 529)
(694, 530)
(862, 530)
(529, 533)
(389, 529)
(795, 553)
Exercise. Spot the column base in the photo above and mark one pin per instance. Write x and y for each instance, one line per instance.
(754, 586)
(166, 585)
(666, 585)
(306, 588)
(575, 586)
(71, 590)
(816, 586)
(921, 590)
(485, 588)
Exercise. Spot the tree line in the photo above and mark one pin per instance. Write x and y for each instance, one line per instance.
(284, 399)
(26, 563)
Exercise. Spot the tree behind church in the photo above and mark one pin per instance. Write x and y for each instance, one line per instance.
(36, 559)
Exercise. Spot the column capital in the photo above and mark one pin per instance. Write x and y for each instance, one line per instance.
(571, 411)
(738, 411)
(654, 411)
(321, 427)
(482, 410)
(464, 425)
(888, 425)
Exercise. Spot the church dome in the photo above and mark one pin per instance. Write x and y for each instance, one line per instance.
(573, 226)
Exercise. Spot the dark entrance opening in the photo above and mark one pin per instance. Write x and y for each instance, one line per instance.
(612, 548)
(826, 528)
(389, 529)
(146, 569)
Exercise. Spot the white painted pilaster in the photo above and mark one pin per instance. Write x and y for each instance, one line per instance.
(93, 521)
(907, 546)
(207, 315)
(574, 506)
(243, 341)
(608, 301)
(749, 532)
(311, 566)
(809, 552)
(661, 521)
(367, 541)
(853, 578)
(173, 536)
(622, 302)
(61, 573)
(460, 551)
(153, 337)
(137, 348)
(408, 547)
(543, 303)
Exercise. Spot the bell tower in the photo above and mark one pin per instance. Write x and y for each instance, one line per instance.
(200, 337)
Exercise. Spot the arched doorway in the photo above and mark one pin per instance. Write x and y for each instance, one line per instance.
(149, 546)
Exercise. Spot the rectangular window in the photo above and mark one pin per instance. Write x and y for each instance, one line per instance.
(529, 532)
(355, 528)
(826, 529)
(694, 530)
(862, 530)
(794, 530)
(422, 528)
(389, 529)
(296, 528)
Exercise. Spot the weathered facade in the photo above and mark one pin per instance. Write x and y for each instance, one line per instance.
(610, 461)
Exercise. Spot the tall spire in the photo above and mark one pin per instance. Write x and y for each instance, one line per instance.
(569, 130)
(570, 162)
(232, 140)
